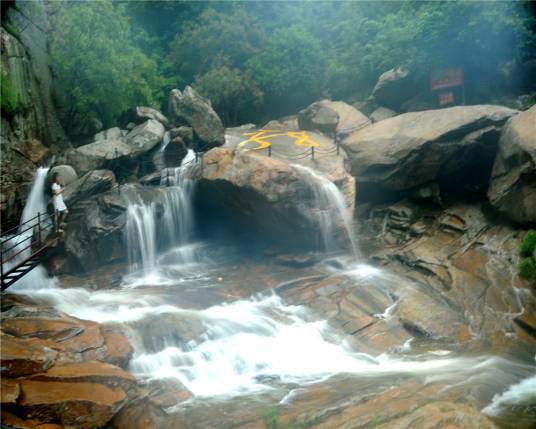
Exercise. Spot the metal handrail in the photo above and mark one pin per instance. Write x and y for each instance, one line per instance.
(20, 251)
(38, 216)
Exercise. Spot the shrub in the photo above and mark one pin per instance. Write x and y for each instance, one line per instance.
(528, 244)
(527, 268)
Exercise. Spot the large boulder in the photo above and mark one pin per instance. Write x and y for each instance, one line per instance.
(99, 154)
(145, 136)
(189, 108)
(394, 87)
(331, 117)
(67, 173)
(513, 179)
(272, 199)
(382, 113)
(454, 147)
(114, 133)
(141, 113)
(92, 183)
(107, 152)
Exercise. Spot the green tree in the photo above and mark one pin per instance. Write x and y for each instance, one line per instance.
(216, 39)
(290, 70)
(234, 95)
(101, 71)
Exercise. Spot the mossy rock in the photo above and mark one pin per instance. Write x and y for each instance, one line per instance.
(8, 97)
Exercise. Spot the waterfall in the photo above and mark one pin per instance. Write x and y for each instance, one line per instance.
(158, 157)
(178, 217)
(141, 235)
(329, 211)
(148, 228)
(35, 203)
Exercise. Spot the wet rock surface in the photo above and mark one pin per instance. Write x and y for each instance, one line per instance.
(513, 178)
(55, 370)
(412, 149)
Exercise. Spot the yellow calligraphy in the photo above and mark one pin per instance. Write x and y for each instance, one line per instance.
(300, 138)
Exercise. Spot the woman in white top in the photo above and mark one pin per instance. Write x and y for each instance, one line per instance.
(60, 209)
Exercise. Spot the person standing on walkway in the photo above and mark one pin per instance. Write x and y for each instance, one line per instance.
(60, 209)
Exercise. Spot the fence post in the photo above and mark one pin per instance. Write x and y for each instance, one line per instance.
(313, 152)
(39, 227)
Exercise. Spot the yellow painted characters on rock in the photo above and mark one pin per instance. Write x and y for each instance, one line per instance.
(260, 137)
(300, 138)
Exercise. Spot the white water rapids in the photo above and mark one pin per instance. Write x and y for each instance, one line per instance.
(247, 345)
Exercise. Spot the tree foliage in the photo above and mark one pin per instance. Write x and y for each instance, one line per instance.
(290, 67)
(234, 95)
(101, 70)
(112, 55)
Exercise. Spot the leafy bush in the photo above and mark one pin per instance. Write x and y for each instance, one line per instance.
(9, 96)
(527, 268)
(528, 244)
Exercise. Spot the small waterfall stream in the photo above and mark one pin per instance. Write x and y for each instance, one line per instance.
(330, 211)
(154, 226)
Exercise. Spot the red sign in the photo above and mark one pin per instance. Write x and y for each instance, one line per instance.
(446, 78)
(446, 98)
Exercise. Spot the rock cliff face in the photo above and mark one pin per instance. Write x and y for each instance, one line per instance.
(30, 122)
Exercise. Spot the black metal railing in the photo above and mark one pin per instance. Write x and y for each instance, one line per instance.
(24, 242)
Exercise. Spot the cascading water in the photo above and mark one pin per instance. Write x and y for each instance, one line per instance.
(249, 345)
(158, 157)
(330, 210)
(36, 203)
(141, 235)
(163, 225)
(178, 220)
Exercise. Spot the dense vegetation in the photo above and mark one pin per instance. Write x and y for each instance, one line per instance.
(262, 59)
(527, 252)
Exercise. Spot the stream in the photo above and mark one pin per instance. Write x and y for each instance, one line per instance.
(204, 314)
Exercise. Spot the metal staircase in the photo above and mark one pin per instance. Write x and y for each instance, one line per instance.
(22, 248)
